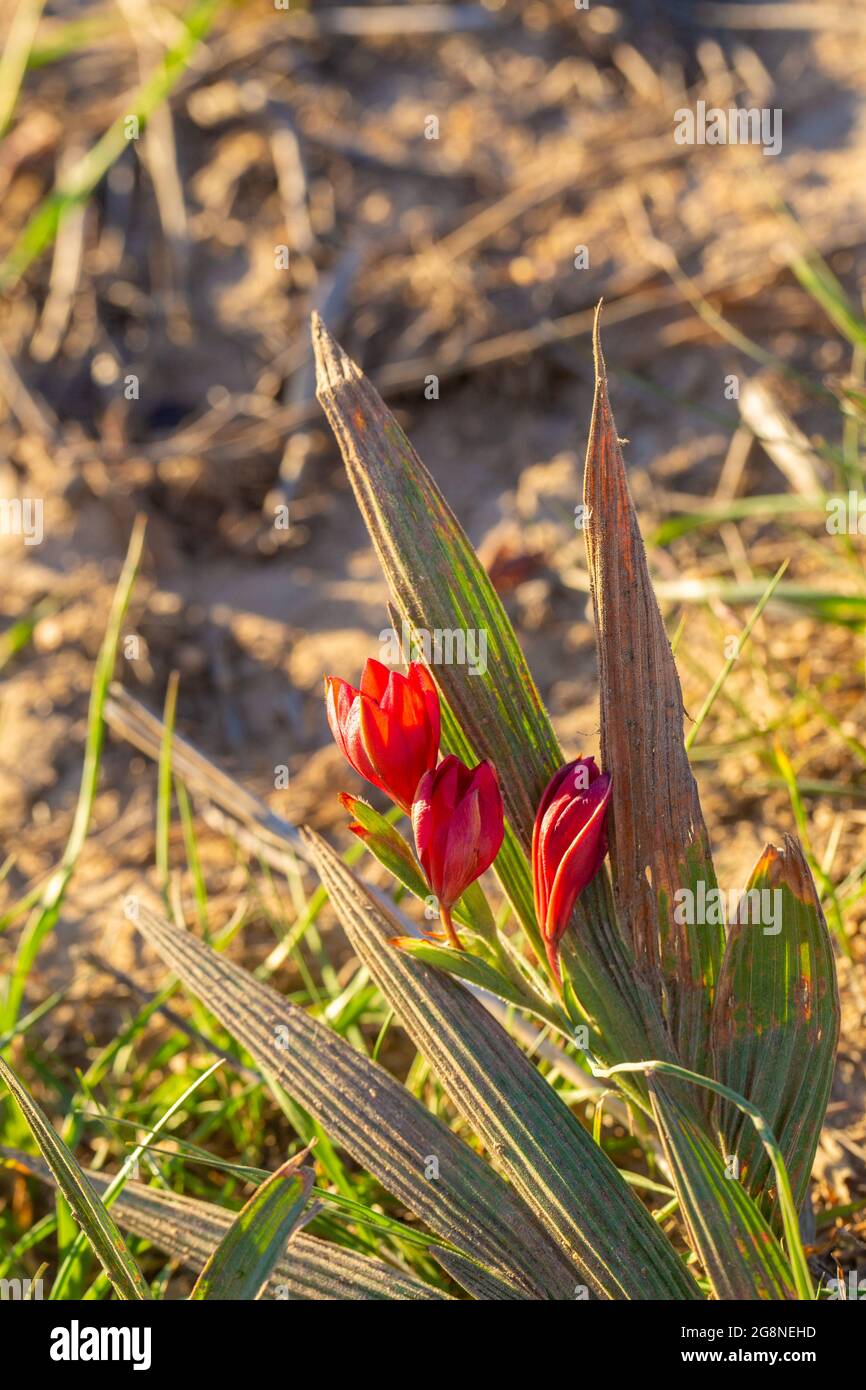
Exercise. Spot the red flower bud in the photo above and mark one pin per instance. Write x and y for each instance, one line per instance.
(569, 842)
(389, 729)
(458, 823)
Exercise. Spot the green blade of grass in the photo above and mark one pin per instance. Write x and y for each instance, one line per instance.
(189, 1230)
(846, 609)
(70, 1267)
(43, 917)
(818, 280)
(82, 179)
(86, 1207)
(738, 509)
(746, 633)
(74, 36)
(17, 636)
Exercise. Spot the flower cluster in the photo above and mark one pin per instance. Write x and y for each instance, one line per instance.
(389, 730)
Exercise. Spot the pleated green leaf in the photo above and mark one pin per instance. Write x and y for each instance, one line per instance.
(372, 1116)
(616, 1002)
(240, 1267)
(739, 1252)
(439, 584)
(474, 971)
(190, 1230)
(94, 1219)
(776, 1020)
(561, 1174)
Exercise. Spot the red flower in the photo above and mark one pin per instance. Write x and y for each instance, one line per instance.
(458, 823)
(569, 842)
(389, 729)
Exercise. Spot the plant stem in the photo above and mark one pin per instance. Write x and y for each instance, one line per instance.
(450, 932)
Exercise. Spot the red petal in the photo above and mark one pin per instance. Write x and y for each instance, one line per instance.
(356, 742)
(568, 821)
(485, 781)
(461, 849)
(422, 820)
(338, 703)
(374, 679)
(430, 695)
(576, 869)
(560, 785)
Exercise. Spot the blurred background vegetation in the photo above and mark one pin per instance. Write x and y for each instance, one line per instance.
(453, 187)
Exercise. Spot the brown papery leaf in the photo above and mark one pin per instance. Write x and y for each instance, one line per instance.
(658, 840)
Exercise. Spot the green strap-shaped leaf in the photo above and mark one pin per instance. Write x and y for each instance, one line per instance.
(658, 841)
(439, 584)
(739, 1252)
(478, 1280)
(96, 1222)
(474, 971)
(372, 1116)
(561, 1174)
(240, 1267)
(776, 1020)
(190, 1230)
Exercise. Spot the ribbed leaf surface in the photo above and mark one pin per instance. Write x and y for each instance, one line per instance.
(776, 1021)
(598, 962)
(373, 1117)
(658, 841)
(553, 1163)
(190, 1230)
(739, 1252)
(94, 1219)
